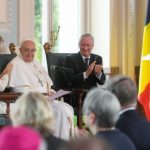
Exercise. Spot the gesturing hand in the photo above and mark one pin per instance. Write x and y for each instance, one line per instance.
(51, 92)
(90, 68)
(8, 69)
(98, 69)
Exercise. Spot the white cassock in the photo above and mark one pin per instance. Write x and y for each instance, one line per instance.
(32, 76)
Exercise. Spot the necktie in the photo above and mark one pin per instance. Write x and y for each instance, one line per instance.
(86, 62)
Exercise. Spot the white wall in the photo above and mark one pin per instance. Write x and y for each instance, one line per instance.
(16, 20)
(26, 19)
(100, 28)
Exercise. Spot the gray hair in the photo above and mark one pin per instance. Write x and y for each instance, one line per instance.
(104, 105)
(34, 110)
(124, 88)
(86, 35)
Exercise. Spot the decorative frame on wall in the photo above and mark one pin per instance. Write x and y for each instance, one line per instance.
(9, 21)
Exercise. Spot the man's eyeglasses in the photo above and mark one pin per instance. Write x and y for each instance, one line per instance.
(28, 50)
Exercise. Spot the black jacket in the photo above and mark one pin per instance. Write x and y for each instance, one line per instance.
(76, 63)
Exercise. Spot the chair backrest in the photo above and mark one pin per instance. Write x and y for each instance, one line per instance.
(4, 60)
(55, 62)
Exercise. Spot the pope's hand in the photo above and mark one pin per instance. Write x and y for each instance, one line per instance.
(51, 92)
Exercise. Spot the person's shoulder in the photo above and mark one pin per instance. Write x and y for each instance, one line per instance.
(16, 60)
(73, 56)
(55, 142)
(96, 55)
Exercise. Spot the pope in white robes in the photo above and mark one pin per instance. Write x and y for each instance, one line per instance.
(29, 75)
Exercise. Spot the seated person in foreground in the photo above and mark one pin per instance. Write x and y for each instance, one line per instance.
(21, 138)
(87, 67)
(29, 75)
(91, 143)
(38, 114)
(101, 109)
(130, 122)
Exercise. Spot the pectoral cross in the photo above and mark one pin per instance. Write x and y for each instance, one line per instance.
(40, 81)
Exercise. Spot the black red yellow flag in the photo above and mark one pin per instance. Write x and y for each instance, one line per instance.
(144, 79)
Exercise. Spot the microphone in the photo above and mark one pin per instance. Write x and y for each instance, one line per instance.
(53, 67)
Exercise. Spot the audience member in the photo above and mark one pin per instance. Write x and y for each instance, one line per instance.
(88, 144)
(130, 122)
(21, 138)
(36, 112)
(3, 49)
(29, 75)
(101, 109)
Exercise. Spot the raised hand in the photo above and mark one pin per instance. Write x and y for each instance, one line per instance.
(98, 69)
(8, 69)
(50, 92)
(90, 68)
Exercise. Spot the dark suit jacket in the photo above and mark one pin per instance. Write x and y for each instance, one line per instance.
(76, 63)
(117, 140)
(136, 127)
(55, 143)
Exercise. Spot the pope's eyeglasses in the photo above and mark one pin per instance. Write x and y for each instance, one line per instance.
(28, 50)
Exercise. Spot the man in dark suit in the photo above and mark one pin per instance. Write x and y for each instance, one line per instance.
(130, 122)
(87, 67)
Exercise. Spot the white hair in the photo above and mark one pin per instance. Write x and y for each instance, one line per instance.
(33, 109)
(104, 105)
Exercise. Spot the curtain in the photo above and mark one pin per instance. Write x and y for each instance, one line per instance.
(125, 33)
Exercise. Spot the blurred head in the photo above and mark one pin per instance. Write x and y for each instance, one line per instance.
(20, 138)
(34, 110)
(88, 144)
(124, 88)
(101, 109)
(86, 44)
(28, 50)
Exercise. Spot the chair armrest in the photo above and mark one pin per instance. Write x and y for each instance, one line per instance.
(7, 98)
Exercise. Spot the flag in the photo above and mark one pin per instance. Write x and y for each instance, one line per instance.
(144, 78)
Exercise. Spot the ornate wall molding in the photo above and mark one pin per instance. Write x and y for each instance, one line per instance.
(8, 29)
(7, 25)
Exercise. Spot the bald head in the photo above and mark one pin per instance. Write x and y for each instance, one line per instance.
(28, 50)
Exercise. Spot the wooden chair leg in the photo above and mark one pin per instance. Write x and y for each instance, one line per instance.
(79, 117)
(8, 107)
